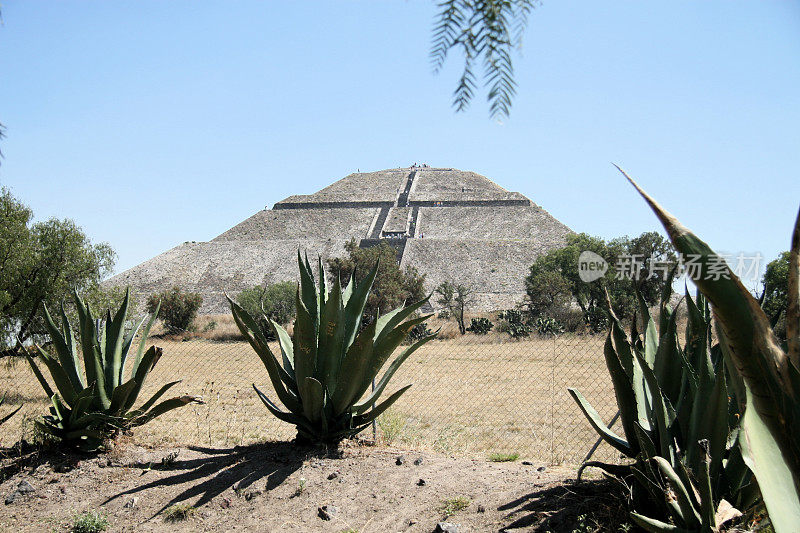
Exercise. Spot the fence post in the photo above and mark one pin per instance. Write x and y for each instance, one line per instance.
(552, 404)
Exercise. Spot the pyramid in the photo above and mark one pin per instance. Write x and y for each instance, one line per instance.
(451, 225)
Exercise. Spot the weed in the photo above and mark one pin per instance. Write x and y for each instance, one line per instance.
(90, 521)
(391, 424)
(454, 505)
(301, 486)
(179, 512)
(503, 457)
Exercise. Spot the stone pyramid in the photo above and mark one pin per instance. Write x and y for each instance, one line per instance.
(450, 224)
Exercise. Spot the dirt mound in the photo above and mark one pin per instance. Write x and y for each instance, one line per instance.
(278, 487)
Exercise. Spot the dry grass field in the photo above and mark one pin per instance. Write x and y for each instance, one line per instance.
(472, 396)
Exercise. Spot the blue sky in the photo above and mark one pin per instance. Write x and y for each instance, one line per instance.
(153, 123)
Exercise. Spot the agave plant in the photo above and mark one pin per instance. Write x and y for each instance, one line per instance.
(680, 421)
(91, 406)
(328, 364)
(5, 419)
(769, 439)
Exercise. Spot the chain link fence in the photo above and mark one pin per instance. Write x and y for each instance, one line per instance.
(472, 395)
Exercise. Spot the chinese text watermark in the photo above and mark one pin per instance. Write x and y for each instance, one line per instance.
(591, 266)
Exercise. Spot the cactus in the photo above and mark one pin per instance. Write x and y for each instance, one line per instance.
(330, 362)
(88, 408)
(768, 375)
(480, 326)
(679, 417)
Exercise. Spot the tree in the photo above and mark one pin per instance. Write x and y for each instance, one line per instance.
(549, 293)
(485, 31)
(392, 286)
(40, 263)
(775, 295)
(275, 301)
(176, 308)
(456, 299)
(557, 270)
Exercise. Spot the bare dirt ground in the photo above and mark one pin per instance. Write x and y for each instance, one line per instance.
(276, 486)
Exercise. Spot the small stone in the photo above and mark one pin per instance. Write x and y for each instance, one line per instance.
(401, 459)
(333, 475)
(481, 509)
(130, 504)
(411, 521)
(225, 503)
(327, 512)
(250, 494)
(11, 498)
(422, 482)
(418, 461)
(541, 469)
(62, 489)
(25, 488)
(446, 527)
(527, 463)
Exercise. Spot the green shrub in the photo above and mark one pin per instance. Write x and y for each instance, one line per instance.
(503, 457)
(179, 512)
(480, 326)
(90, 521)
(515, 323)
(178, 309)
(454, 505)
(571, 319)
(273, 302)
(548, 327)
(418, 332)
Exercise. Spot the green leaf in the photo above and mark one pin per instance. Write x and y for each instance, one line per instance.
(145, 334)
(626, 399)
(661, 412)
(353, 365)
(380, 408)
(314, 401)
(330, 350)
(777, 481)
(656, 526)
(115, 338)
(154, 398)
(599, 426)
(354, 309)
(66, 356)
(289, 398)
(387, 376)
(36, 372)
(164, 407)
(60, 378)
(688, 513)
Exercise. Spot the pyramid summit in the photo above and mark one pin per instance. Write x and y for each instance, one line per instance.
(451, 225)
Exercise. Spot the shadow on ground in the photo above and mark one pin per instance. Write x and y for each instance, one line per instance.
(218, 469)
(573, 506)
(24, 456)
